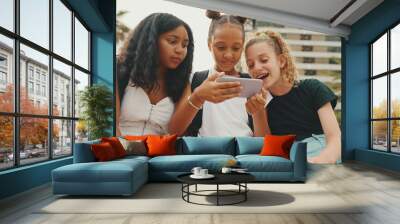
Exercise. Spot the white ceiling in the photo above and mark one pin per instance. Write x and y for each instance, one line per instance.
(314, 15)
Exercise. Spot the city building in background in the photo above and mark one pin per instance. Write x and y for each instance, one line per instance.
(34, 82)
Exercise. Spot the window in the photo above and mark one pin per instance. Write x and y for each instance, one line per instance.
(3, 78)
(385, 97)
(308, 60)
(37, 74)
(307, 48)
(333, 49)
(34, 26)
(305, 37)
(38, 89)
(3, 71)
(81, 45)
(335, 61)
(43, 77)
(54, 125)
(30, 73)
(7, 14)
(3, 61)
(30, 87)
(332, 38)
(44, 91)
(7, 84)
(310, 72)
(62, 75)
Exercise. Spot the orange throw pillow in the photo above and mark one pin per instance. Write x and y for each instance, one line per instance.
(277, 145)
(161, 145)
(116, 145)
(103, 151)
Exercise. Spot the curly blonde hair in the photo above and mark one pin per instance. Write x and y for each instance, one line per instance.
(276, 41)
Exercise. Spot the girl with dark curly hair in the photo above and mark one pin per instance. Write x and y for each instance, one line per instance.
(152, 73)
(214, 108)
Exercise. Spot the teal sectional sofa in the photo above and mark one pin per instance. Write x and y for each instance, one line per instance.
(125, 176)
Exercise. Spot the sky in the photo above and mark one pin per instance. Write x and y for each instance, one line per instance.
(380, 65)
(194, 17)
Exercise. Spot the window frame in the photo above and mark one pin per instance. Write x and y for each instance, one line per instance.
(16, 115)
(388, 74)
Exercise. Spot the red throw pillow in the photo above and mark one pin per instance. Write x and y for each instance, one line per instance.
(277, 145)
(161, 145)
(103, 151)
(116, 145)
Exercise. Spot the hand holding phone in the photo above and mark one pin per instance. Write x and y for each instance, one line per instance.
(250, 86)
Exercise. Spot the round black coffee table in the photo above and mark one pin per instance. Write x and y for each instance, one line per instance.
(238, 179)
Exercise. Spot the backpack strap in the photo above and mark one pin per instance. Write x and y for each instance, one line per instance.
(194, 127)
(250, 118)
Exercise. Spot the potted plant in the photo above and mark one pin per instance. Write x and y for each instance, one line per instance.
(96, 104)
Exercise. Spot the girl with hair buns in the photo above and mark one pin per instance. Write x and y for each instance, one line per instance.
(153, 70)
(213, 108)
(304, 108)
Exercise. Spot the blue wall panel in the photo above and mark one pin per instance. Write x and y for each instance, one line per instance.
(356, 99)
(24, 178)
(356, 83)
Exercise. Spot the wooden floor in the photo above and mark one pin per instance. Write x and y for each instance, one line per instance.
(378, 188)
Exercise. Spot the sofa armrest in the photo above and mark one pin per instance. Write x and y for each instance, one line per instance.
(83, 152)
(298, 155)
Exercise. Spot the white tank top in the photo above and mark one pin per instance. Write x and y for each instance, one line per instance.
(228, 118)
(140, 117)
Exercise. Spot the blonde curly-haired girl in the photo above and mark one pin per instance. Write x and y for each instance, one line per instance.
(304, 108)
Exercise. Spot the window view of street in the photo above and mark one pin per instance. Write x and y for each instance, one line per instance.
(385, 117)
(47, 106)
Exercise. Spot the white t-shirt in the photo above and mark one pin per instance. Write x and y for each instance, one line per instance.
(228, 118)
(140, 117)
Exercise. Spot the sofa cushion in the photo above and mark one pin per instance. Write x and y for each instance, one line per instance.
(131, 158)
(112, 171)
(257, 163)
(134, 147)
(277, 145)
(116, 145)
(185, 163)
(206, 145)
(83, 153)
(249, 145)
(103, 152)
(161, 145)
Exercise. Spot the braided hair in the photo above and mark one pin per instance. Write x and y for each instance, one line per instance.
(139, 60)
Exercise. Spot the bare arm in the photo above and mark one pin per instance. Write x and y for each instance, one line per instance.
(260, 124)
(209, 90)
(332, 132)
(255, 106)
(184, 113)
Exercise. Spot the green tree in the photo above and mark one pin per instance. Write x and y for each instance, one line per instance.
(380, 127)
(33, 130)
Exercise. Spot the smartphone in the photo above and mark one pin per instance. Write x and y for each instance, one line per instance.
(250, 86)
